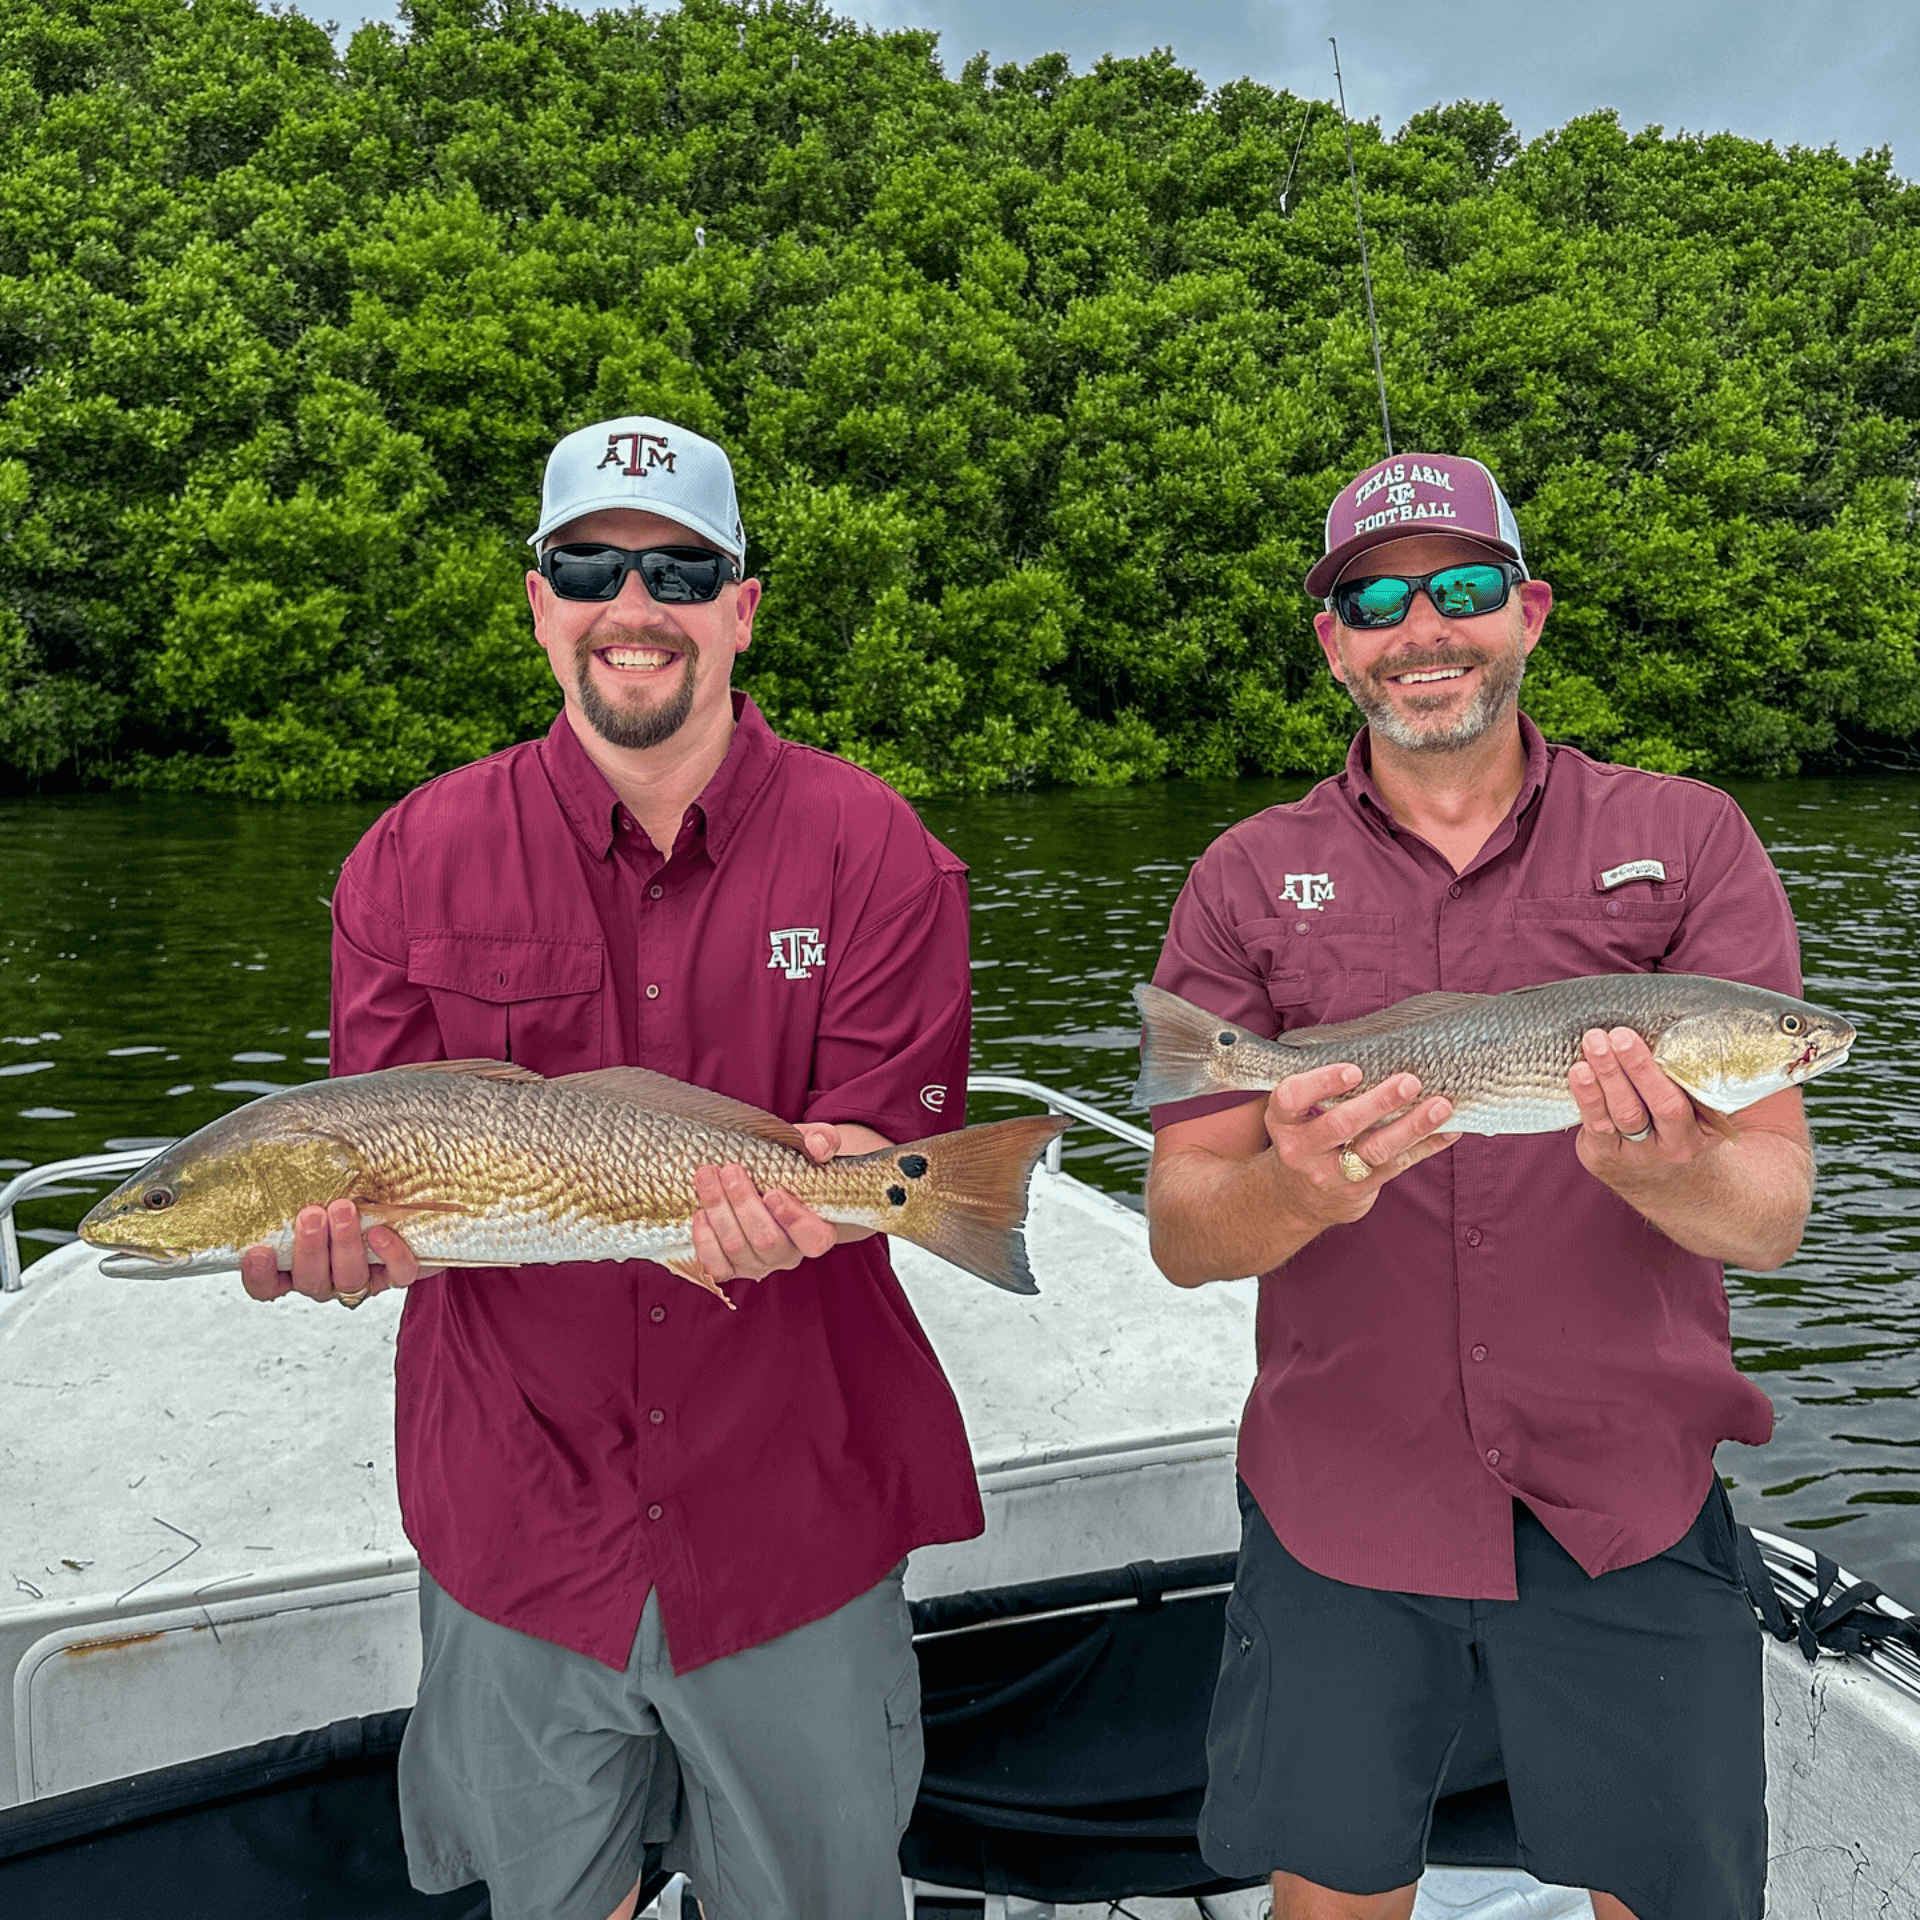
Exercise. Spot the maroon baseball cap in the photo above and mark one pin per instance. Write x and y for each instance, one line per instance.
(1415, 493)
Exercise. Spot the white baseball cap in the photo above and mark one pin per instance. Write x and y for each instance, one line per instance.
(652, 465)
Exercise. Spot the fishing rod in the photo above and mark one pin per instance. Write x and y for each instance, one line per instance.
(1366, 274)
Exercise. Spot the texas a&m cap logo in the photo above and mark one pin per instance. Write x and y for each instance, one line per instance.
(651, 465)
(1414, 493)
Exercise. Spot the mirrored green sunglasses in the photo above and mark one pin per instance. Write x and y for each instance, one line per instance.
(1483, 586)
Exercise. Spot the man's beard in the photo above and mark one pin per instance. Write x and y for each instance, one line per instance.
(1501, 671)
(623, 725)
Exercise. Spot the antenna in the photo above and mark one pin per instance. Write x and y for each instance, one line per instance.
(1366, 275)
(1286, 186)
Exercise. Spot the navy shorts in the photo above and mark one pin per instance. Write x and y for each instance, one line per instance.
(1628, 1709)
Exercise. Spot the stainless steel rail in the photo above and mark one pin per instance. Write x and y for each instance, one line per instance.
(90, 1166)
(100, 1166)
(1057, 1102)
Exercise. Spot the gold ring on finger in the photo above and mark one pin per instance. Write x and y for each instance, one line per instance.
(351, 1300)
(1353, 1166)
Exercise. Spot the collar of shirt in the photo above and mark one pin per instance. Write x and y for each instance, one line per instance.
(1357, 782)
(593, 809)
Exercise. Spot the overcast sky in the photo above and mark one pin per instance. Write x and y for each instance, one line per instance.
(1818, 72)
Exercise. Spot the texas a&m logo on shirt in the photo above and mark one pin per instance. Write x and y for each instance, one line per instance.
(797, 949)
(1310, 891)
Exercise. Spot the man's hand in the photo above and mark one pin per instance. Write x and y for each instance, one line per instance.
(1637, 1126)
(332, 1259)
(1742, 1200)
(740, 1233)
(1242, 1191)
(1318, 1148)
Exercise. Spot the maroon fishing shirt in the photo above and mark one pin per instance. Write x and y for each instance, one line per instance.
(1500, 1326)
(570, 1437)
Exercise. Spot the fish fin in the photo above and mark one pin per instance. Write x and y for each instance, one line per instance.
(396, 1213)
(478, 1069)
(973, 1204)
(1713, 1121)
(691, 1269)
(645, 1088)
(1180, 1055)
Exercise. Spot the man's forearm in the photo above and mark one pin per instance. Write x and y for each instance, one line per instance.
(1745, 1204)
(1212, 1218)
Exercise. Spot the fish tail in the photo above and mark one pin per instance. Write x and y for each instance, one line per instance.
(965, 1194)
(1180, 1051)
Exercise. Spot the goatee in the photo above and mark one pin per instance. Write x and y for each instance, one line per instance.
(622, 725)
(1501, 672)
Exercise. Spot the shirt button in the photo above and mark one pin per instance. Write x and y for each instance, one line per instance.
(656, 1510)
(626, 822)
(1303, 926)
(1493, 1460)
(1479, 1353)
(653, 993)
(1614, 909)
(657, 1415)
(1453, 892)
(657, 1314)
(1473, 1236)
(654, 892)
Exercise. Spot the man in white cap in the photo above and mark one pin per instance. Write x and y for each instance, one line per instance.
(661, 1543)
(1492, 1372)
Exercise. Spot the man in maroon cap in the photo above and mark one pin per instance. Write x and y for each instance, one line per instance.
(662, 1544)
(1492, 1372)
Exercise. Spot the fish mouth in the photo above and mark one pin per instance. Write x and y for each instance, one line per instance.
(1813, 1061)
(133, 1263)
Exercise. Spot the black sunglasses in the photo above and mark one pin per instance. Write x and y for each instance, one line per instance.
(672, 575)
(1479, 587)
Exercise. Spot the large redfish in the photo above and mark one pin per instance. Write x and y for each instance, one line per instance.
(481, 1164)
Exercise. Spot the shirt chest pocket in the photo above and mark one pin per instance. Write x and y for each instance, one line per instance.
(509, 997)
(1337, 970)
(1562, 937)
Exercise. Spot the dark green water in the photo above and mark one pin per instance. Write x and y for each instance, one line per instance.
(161, 961)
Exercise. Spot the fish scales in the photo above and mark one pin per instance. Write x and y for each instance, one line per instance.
(1502, 1059)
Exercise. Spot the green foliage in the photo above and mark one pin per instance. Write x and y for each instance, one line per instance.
(1036, 393)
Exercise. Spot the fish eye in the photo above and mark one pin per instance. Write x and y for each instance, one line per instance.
(157, 1199)
(1790, 1023)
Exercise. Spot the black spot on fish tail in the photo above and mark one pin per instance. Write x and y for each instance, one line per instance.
(898, 1196)
(1225, 1039)
(913, 1165)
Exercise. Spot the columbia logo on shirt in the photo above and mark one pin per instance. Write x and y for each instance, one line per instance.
(798, 950)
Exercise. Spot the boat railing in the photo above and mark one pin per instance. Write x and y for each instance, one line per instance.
(1067, 1103)
(102, 1166)
(36, 1180)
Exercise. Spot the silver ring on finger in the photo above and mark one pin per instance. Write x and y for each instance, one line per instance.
(1353, 1166)
(1645, 1133)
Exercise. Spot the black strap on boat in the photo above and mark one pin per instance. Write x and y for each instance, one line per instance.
(1840, 1619)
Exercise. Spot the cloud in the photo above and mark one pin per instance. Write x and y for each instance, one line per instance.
(1791, 71)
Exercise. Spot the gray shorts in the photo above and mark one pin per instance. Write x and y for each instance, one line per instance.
(780, 1778)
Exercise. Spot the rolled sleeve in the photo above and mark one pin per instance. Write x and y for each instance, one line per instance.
(896, 1021)
(1738, 924)
(380, 1018)
(1205, 961)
